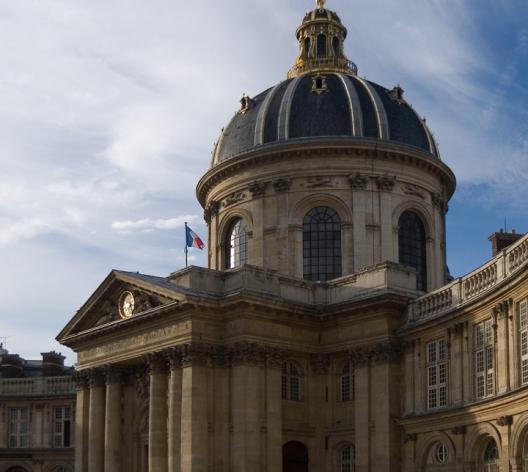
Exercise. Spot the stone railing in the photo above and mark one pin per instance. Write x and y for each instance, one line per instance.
(465, 289)
(37, 386)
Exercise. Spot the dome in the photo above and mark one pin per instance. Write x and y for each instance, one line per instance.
(323, 105)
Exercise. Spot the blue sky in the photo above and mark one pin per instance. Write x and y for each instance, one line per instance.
(110, 108)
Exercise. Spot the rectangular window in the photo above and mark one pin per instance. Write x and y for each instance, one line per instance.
(484, 355)
(62, 427)
(18, 427)
(436, 374)
(523, 340)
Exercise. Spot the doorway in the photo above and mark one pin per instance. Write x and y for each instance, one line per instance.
(294, 457)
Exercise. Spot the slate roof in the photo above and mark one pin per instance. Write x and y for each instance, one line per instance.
(350, 107)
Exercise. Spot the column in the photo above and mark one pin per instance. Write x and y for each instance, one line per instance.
(96, 423)
(455, 356)
(114, 390)
(194, 429)
(362, 255)
(274, 414)
(246, 388)
(409, 379)
(81, 422)
(157, 447)
(362, 417)
(174, 413)
(503, 350)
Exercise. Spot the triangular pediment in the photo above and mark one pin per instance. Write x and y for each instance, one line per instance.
(121, 297)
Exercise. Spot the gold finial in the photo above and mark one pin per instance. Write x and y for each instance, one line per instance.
(320, 4)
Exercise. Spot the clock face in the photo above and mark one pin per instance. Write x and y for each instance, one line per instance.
(126, 305)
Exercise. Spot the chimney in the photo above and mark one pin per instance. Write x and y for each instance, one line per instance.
(52, 364)
(502, 240)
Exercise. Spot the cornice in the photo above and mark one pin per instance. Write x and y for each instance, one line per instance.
(360, 147)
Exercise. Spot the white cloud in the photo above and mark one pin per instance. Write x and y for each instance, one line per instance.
(148, 225)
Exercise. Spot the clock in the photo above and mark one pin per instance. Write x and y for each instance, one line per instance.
(127, 303)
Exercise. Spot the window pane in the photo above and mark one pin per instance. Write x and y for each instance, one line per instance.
(412, 246)
(322, 244)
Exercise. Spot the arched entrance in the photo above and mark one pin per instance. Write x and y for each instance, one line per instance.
(16, 469)
(294, 457)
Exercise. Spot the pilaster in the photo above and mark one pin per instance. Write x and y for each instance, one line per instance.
(114, 391)
(157, 449)
(174, 412)
(96, 422)
(82, 409)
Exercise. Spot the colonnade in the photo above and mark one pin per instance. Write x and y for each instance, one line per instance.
(203, 411)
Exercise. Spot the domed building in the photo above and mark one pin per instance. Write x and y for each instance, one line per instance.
(326, 333)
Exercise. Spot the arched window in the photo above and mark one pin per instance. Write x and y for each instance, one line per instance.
(347, 457)
(291, 382)
(306, 49)
(236, 244)
(16, 468)
(346, 383)
(490, 456)
(322, 244)
(440, 454)
(321, 45)
(335, 45)
(412, 246)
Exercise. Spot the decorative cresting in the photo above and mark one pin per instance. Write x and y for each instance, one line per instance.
(321, 37)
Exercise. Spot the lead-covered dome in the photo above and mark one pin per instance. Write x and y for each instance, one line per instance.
(323, 98)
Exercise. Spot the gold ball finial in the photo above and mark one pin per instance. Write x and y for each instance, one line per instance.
(320, 4)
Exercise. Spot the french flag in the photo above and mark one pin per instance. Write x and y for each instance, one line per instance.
(193, 240)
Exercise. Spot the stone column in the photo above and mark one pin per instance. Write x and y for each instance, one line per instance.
(114, 390)
(320, 455)
(82, 409)
(174, 412)
(274, 413)
(157, 447)
(245, 407)
(502, 349)
(362, 416)
(455, 356)
(96, 423)
(194, 419)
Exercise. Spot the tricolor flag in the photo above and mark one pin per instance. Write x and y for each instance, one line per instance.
(193, 240)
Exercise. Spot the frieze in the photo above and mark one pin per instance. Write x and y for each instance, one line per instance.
(358, 181)
(414, 190)
(258, 189)
(380, 352)
(282, 185)
(234, 198)
(319, 182)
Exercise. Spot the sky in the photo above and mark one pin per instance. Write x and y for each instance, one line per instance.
(109, 110)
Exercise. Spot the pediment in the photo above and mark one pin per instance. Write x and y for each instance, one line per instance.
(121, 297)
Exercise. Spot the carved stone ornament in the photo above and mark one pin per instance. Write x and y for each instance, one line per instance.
(234, 198)
(457, 430)
(211, 210)
(503, 308)
(196, 353)
(96, 377)
(108, 310)
(439, 201)
(114, 375)
(380, 352)
(245, 104)
(505, 420)
(385, 183)
(320, 363)
(319, 182)
(81, 380)
(258, 189)
(145, 302)
(414, 190)
(246, 353)
(282, 185)
(358, 181)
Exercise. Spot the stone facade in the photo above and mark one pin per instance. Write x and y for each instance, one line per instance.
(37, 405)
(257, 363)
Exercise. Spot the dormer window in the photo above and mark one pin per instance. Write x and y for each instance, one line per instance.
(319, 84)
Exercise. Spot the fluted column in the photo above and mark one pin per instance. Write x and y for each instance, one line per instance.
(96, 423)
(274, 413)
(174, 412)
(194, 428)
(114, 391)
(82, 409)
(157, 447)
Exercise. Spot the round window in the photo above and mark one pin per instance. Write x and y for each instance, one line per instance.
(440, 453)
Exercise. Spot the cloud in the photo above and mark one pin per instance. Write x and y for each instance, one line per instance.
(149, 225)
(12, 232)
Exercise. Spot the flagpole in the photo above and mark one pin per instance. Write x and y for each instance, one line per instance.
(186, 246)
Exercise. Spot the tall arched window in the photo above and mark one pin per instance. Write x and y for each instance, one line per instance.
(347, 456)
(236, 244)
(290, 382)
(306, 48)
(412, 246)
(490, 457)
(346, 383)
(322, 244)
(321, 46)
(335, 45)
